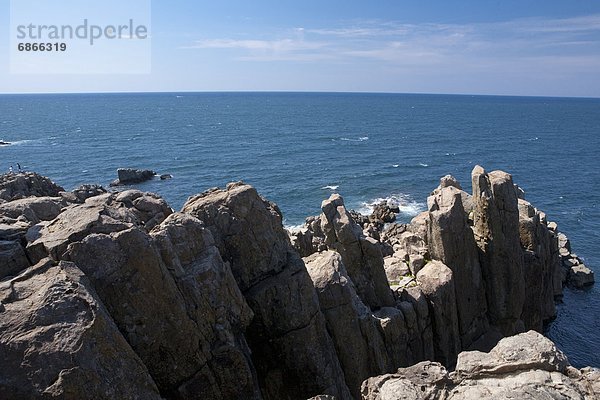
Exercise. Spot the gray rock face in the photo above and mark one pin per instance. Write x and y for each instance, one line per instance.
(58, 341)
(541, 266)
(437, 283)
(176, 303)
(26, 184)
(82, 193)
(450, 240)
(108, 213)
(354, 330)
(361, 255)
(496, 229)
(524, 366)
(292, 352)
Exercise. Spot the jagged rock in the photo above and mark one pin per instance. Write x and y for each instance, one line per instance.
(415, 308)
(292, 352)
(58, 341)
(450, 240)
(384, 213)
(361, 255)
(165, 177)
(437, 283)
(395, 268)
(176, 303)
(82, 193)
(33, 209)
(108, 213)
(302, 241)
(418, 382)
(360, 347)
(12, 258)
(525, 366)
(580, 276)
(127, 176)
(541, 267)
(496, 229)
(27, 184)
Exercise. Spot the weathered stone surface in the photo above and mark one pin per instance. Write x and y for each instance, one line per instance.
(26, 184)
(82, 193)
(58, 341)
(450, 240)
(526, 366)
(177, 305)
(291, 350)
(108, 213)
(33, 209)
(541, 267)
(437, 283)
(302, 241)
(12, 258)
(424, 380)
(354, 330)
(496, 229)
(395, 269)
(361, 255)
(415, 309)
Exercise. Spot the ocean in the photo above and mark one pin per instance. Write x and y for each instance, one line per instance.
(298, 148)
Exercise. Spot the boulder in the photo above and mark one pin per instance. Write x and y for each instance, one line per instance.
(496, 231)
(26, 184)
(57, 340)
(437, 283)
(291, 349)
(384, 213)
(361, 255)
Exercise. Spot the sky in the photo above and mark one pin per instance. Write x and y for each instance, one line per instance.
(508, 47)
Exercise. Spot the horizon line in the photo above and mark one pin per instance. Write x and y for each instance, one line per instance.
(295, 91)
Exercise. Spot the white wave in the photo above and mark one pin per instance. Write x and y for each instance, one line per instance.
(330, 187)
(292, 228)
(406, 205)
(424, 165)
(18, 142)
(360, 139)
(395, 165)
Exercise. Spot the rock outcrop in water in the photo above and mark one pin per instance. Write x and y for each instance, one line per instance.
(115, 295)
(128, 176)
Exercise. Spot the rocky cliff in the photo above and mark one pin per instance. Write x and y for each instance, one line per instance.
(116, 295)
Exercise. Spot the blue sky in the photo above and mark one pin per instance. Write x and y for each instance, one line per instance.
(548, 48)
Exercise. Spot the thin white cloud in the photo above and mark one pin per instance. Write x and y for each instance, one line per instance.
(426, 44)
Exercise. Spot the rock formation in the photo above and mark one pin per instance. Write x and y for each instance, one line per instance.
(115, 295)
(128, 176)
(526, 366)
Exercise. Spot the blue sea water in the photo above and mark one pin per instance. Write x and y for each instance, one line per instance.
(297, 148)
